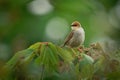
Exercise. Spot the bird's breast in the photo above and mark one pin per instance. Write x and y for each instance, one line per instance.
(78, 37)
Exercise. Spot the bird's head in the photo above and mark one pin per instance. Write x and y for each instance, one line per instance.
(75, 25)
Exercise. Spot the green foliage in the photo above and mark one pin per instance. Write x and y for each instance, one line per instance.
(21, 24)
(44, 60)
(86, 67)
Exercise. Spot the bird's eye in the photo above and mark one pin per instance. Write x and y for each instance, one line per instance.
(74, 25)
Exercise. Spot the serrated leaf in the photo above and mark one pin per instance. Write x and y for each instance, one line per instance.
(64, 54)
(21, 55)
(35, 46)
(39, 59)
(52, 60)
(54, 52)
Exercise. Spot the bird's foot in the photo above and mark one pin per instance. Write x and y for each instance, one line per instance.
(80, 50)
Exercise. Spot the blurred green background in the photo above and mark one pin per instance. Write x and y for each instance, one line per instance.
(24, 22)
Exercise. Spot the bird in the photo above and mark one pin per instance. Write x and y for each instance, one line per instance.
(76, 37)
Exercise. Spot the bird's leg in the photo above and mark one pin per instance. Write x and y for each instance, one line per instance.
(80, 49)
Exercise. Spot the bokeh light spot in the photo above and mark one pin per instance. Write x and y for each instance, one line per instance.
(57, 28)
(40, 7)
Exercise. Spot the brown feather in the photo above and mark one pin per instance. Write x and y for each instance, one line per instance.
(68, 38)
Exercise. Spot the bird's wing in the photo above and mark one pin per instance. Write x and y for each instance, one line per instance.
(68, 38)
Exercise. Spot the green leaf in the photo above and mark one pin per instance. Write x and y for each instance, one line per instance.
(48, 57)
(35, 46)
(64, 54)
(54, 52)
(19, 56)
(86, 67)
(52, 60)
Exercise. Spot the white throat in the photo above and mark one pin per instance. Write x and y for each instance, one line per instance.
(74, 28)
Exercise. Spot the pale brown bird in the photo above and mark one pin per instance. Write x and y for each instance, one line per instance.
(76, 37)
